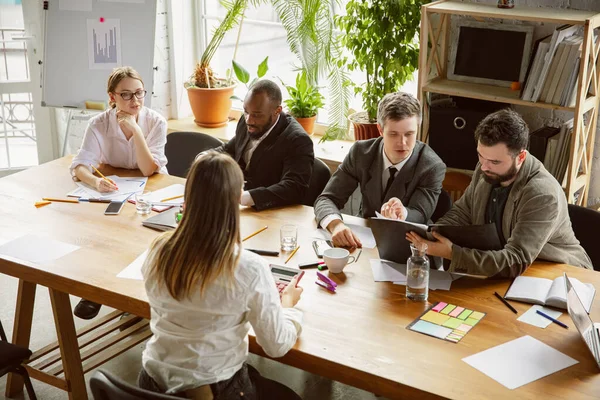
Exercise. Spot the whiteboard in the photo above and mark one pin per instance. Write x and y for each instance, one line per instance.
(71, 75)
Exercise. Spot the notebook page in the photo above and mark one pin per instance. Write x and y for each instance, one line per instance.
(557, 295)
(528, 289)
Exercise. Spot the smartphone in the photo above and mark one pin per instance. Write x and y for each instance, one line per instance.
(114, 208)
(300, 275)
(320, 246)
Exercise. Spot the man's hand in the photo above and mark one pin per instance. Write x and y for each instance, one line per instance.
(441, 248)
(342, 236)
(393, 209)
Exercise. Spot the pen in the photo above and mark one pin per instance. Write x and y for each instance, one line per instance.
(506, 303)
(264, 252)
(358, 256)
(292, 255)
(255, 233)
(551, 319)
(60, 200)
(95, 200)
(172, 198)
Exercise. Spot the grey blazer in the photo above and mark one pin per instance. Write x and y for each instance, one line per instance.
(418, 184)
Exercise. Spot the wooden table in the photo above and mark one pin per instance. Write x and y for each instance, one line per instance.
(356, 336)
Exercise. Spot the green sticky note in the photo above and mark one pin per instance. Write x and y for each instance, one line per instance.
(463, 315)
(471, 321)
(453, 323)
(477, 315)
(448, 309)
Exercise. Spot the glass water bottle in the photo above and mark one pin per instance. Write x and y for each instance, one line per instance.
(417, 273)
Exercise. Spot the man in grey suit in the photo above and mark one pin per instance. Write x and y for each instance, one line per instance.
(511, 189)
(394, 165)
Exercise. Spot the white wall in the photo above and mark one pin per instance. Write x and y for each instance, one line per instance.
(537, 117)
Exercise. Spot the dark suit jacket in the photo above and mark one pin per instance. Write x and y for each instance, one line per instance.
(281, 165)
(418, 184)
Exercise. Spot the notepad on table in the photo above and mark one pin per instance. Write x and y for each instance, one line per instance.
(548, 292)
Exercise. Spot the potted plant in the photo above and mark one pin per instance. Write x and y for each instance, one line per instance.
(382, 36)
(210, 97)
(304, 102)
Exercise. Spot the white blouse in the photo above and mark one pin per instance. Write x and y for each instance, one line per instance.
(203, 340)
(105, 143)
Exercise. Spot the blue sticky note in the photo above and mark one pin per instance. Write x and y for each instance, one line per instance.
(431, 329)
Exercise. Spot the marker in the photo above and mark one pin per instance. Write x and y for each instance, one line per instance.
(311, 264)
(506, 303)
(552, 319)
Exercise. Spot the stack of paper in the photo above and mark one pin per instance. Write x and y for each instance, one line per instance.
(127, 187)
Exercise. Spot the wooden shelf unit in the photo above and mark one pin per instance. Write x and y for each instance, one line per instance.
(433, 64)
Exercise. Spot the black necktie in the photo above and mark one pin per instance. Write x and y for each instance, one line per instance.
(393, 171)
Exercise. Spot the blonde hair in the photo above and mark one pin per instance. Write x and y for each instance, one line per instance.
(207, 243)
(116, 76)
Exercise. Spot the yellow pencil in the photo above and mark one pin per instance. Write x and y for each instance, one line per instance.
(100, 173)
(172, 198)
(255, 233)
(292, 255)
(60, 200)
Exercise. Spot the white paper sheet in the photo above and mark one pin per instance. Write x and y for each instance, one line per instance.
(126, 186)
(388, 271)
(365, 235)
(134, 270)
(36, 249)
(533, 318)
(75, 5)
(519, 361)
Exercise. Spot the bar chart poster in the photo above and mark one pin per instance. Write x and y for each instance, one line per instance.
(104, 43)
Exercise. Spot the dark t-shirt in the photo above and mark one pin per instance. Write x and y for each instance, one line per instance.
(495, 208)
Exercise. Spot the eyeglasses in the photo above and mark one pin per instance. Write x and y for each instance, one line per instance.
(140, 94)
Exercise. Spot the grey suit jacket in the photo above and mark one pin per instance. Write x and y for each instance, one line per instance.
(418, 184)
(535, 222)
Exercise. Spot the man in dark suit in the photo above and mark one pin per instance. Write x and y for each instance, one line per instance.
(394, 166)
(272, 149)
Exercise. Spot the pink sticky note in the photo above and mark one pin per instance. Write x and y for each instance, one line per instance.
(440, 306)
(456, 311)
(464, 328)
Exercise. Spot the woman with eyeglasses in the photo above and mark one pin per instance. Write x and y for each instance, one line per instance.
(205, 292)
(128, 135)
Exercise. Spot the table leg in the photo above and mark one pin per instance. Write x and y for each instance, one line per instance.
(21, 330)
(69, 347)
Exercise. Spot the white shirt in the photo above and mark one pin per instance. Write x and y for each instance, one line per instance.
(385, 175)
(105, 143)
(204, 340)
(247, 199)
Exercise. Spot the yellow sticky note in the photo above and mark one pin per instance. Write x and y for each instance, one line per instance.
(436, 318)
(453, 323)
(448, 309)
(476, 315)
(471, 321)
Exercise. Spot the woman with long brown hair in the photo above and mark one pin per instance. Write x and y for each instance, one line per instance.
(205, 291)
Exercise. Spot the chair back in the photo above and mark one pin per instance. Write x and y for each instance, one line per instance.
(455, 183)
(319, 178)
(444, 204)
(2, 333)
(183, 147)
(585, 223)
(108, 387)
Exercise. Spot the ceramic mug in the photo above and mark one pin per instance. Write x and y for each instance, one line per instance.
(336, 259)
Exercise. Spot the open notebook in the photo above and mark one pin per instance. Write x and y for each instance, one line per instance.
(549, 292)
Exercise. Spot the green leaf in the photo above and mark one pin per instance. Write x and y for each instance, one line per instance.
(240, 72)
(263, 67)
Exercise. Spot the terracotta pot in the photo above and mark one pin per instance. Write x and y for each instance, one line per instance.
(363, 130)
(210, 106)
(308, 124)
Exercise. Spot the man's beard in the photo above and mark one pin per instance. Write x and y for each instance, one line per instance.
(261, 129)
(496, 179)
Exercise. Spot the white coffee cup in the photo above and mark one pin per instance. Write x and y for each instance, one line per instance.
(336, 259)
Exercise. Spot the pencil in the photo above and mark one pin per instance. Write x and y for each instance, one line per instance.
(60, 200)
(358, 256)
(255, 233)
(172, 198)
(506, 303)
(292, 255)
(100, 173)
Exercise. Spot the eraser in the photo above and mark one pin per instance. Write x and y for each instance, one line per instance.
(95, 105)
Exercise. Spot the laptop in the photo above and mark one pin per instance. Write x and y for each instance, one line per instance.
(589, 331)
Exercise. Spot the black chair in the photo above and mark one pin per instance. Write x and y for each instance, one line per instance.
(319, 178)
(108, 387)
(444, 204)
(183, 147)
(11, 358)
(585, 222)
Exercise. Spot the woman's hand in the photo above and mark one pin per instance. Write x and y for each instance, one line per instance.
(105, 185)
(127, 123)
(291, 294)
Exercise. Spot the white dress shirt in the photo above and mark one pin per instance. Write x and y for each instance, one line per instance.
(105, 143)
(385, 175)
(247, 199)
(203, 340)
